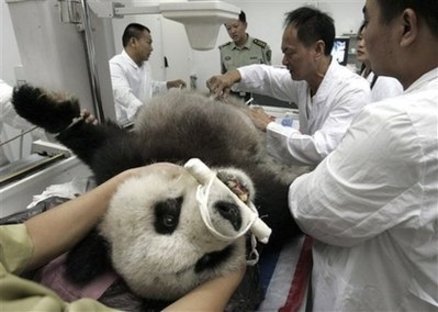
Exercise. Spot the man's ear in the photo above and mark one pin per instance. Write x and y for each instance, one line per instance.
(409, 27)
(319, 48)
(132, 41)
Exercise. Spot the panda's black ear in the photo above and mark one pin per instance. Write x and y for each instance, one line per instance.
(88, 259)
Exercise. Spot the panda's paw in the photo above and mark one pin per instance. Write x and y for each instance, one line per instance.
(238, 182)
(53, 112)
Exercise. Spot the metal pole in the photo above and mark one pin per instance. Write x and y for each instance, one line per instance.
(94, 76)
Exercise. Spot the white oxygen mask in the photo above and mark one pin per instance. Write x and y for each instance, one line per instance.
(250, 217)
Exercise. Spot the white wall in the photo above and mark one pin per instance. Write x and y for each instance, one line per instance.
(9, 56)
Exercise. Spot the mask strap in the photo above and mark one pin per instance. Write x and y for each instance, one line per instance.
(253, 256)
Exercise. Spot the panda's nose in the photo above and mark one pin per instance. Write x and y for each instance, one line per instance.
(231, 212)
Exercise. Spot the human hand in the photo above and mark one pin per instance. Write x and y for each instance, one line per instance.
(220, 85)
(260, 118)
(89, 117)
(176, 84)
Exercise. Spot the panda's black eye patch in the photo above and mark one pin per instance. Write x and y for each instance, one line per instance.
(167, 215)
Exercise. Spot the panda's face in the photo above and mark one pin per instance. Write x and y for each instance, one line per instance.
(159, 243)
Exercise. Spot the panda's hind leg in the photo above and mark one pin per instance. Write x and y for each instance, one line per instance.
(97, 146)
(58, 113)
(53, 112)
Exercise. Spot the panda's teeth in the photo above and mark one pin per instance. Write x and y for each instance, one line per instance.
(244, 197)
(238, 189)
(231, 184)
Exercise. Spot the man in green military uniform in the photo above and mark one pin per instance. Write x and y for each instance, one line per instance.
(243, 50)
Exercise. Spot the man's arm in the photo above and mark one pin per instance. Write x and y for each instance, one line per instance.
(268, 80)
(292, 147)
(355, 193)
(178, 83)
(160, 87)
(262, 79)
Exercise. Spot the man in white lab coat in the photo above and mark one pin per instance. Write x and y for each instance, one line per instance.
(131, 75)
(372, 205)
(327, 94)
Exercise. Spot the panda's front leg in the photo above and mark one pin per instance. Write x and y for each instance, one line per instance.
(88, 259)
(272, 203)
(88, 141)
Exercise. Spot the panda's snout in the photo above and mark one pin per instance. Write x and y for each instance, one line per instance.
(230, 212)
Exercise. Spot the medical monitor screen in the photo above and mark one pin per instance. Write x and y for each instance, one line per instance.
(340, 50)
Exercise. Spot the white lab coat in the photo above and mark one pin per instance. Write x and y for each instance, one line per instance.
(132, 85)
(324, 118)
(372, 207)
(384, 87)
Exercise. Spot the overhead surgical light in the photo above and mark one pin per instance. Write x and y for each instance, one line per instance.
(201, 18)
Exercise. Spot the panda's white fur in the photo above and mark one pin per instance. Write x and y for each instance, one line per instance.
(141, 255)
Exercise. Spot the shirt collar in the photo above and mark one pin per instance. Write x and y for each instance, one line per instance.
(247, 44)
(430, 76)
(327, 80)
(129, 59)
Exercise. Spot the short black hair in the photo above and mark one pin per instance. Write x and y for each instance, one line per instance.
(242, 17)
(425, 9)
(312, 25)
(133, 30)
(361, 28)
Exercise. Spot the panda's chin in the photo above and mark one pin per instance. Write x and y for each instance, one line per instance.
(208, 261)
(178, 283)
(212, 260)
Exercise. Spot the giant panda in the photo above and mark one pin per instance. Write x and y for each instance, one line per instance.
(153, 236)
